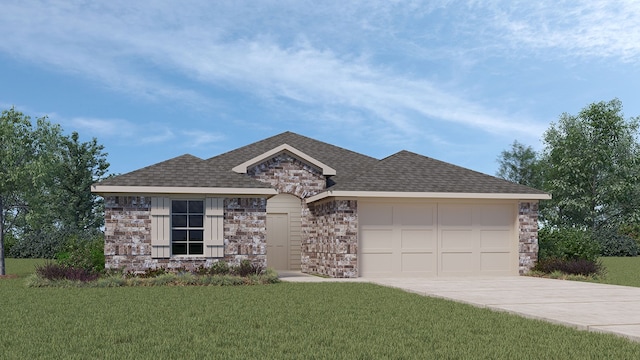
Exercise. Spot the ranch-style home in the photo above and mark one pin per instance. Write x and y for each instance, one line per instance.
(294, 203)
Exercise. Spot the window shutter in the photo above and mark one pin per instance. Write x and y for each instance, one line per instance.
(160, 227)
(214, 228)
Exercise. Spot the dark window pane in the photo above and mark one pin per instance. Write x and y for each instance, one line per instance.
(196, 235)
(196, 249)
(179, 249)
(179, 206)
(195, 220)
(196, 207)
(179, 220)
(179, 235)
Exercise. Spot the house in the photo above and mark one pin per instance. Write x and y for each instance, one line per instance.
(294, 203)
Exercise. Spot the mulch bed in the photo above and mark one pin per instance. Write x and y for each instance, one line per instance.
(10, 276)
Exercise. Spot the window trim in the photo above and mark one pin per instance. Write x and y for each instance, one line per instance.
(188, 228)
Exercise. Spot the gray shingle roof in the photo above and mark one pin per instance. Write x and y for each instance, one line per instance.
(410, 172)
(402, 172)
(347, 163)
(184, 171)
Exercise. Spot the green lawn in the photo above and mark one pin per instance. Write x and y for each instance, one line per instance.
(279, 321)
(622, 271)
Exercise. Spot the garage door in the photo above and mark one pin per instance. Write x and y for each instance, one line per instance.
(437, 239)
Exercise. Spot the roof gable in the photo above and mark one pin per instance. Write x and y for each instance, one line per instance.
(284, 148)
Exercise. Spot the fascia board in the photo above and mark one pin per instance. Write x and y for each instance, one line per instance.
(426, 195)
(105, 189)
(242, 168)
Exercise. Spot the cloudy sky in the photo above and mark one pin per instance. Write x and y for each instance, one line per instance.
(453, 80)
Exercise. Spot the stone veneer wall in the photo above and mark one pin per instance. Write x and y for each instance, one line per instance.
(245, 230)
(128, 234)
(330, 244)
(528, 235)
(289, 176)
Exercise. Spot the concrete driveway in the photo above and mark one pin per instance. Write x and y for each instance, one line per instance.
(586, 306)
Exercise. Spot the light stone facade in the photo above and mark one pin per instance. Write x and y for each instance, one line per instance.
(329, 229)
(528, 235)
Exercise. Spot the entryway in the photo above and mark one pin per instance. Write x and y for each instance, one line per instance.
(284, 221)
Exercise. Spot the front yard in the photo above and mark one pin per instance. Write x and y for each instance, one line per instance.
(286, 320)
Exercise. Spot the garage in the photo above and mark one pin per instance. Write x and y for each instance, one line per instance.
(405, 238)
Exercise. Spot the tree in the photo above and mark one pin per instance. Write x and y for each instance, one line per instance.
(82, 164)
(45, 185)
(591, 167)
(16, 167)
(521, 165)
(590, 164)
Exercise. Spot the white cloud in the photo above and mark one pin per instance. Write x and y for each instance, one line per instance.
(197, 139)
(170, 52)
(104, 127)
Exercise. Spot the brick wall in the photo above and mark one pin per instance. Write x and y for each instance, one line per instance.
(289, 176)
(245, 230)
(128, 234)
(330, 241)
(528, 235)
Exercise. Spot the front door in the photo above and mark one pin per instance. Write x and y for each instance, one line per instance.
(278, 241)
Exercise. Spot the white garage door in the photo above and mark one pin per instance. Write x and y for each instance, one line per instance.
(437, 239)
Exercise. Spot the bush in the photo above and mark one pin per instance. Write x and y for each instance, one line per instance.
(614, 243)
(246, 268)
(569, 266)
(53, 271)
(567, 244)
(218, 268)
(83, 251)
(41, 244)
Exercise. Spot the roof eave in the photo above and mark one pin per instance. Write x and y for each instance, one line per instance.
(428, 195)
(110, 189)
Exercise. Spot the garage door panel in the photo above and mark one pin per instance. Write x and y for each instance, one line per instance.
(418, 215)
(418, 239)
(495, 239)
(373, 239)
(492, 262)
(463, 262)
(377, 264)
(497, 215)
(456, 239)
(423, 263)
(379, 215)
(455, 215)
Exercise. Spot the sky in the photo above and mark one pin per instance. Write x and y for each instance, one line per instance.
(458, 81)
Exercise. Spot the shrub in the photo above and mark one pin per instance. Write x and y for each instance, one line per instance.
(567, 244)
(614, 243)
(568, 266)
(84, 251)
(218, 268)
(53, 271)
(40, 244)
(631, 229)
(246, 268)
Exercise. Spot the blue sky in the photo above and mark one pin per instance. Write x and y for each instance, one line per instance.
(453, 80)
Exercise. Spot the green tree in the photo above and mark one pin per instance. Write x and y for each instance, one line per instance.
(45, 186)
(82, 164)
(17, 168)
(592, 167)
(521, 165)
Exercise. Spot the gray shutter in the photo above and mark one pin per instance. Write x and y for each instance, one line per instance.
(214, 228)
(160, 227)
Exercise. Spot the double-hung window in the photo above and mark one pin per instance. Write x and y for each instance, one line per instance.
(187, 227)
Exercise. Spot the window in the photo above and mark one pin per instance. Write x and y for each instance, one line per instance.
(187, 227)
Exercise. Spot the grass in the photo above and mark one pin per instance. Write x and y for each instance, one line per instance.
(621, 271)
(283, 321)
